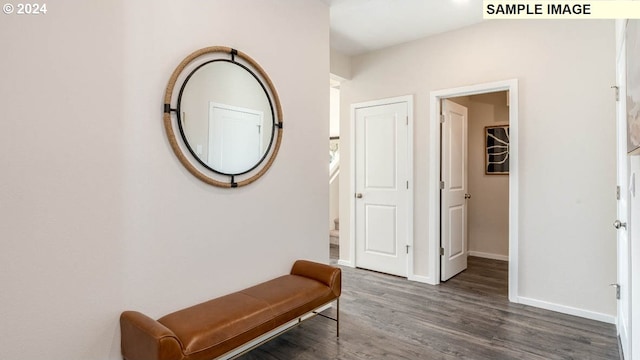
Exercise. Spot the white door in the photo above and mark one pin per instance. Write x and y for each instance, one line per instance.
(235, 138)
(381, 186)
(454, 193)
(623, 245)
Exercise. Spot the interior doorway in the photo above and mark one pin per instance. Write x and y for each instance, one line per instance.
(435, 217)
(475, 172)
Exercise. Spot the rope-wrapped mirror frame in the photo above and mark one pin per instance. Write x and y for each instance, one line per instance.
(171, 130)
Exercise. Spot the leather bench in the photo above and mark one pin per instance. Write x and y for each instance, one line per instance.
(218, 327)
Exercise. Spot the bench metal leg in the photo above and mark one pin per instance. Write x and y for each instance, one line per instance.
(300, 320)
(338, 318)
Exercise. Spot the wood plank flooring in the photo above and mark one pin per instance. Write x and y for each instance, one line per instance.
(468, 317)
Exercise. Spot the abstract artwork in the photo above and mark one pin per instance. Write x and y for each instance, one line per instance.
(497, 150)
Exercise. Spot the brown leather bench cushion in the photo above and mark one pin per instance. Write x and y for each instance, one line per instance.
(217, 326)
(236, 317)
(291, 296)
(213, 328)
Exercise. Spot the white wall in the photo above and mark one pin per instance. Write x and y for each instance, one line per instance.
(567, 143)
(97, 215)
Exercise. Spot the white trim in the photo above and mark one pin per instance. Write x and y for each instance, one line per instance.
(346, 263)
(610, 319)
(488, 255)
(410, 187)
(352, 186)
(434, 189)
(625, 306)
(434, 175)
(419, 278)
(352, 182)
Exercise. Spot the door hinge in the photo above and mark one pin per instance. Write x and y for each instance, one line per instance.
(617, 92)
(617, 286)
(441, 185)
(618, 192)
(441, 251)
(407, 184)
(407, 248)
(407, 120)
(441, 118)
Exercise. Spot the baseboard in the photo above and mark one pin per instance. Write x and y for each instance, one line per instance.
(488, 255)
(345, 263)
(421, 279)
(610, 319)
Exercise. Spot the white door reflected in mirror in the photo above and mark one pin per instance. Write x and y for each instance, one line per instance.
(235, 138)
(226, 111)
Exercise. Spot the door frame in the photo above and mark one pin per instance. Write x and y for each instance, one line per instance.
(434, 175)
(352, 181)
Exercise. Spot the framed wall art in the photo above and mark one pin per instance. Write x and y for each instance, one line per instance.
(497, 150)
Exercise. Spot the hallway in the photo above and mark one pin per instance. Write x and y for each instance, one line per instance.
(468, 317)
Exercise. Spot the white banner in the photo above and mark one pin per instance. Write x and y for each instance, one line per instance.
(501, 9)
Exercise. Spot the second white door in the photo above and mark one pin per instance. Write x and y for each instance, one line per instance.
(381, 187)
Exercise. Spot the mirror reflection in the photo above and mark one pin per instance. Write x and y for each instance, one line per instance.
(225, 117)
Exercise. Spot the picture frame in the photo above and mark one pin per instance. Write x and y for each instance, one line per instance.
(496, 150)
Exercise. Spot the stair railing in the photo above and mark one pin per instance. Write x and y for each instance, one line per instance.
(334, 158)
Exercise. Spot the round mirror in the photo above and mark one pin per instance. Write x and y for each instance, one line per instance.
(227, 115)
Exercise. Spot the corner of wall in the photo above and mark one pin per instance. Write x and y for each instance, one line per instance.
(340, 65)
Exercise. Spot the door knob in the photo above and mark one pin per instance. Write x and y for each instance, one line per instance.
(358, 195)
(467, 196)
(618, 224)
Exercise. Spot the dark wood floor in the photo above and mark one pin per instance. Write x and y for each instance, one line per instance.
(468, 317)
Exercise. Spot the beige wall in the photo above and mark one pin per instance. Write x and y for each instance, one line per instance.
(97, 215)
(340, 64)
(488, 210)
(567, 161)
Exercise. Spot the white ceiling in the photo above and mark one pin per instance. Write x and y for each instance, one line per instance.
(359, 26)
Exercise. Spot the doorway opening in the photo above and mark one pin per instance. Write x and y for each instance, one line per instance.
(483, 206)
(334, 169)
(485, 93)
